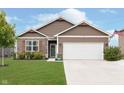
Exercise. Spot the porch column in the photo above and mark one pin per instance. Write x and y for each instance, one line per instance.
(57, 46)
(47, 41)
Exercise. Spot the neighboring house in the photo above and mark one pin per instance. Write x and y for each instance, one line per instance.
(81, 41)
(7, 52)
(121, 39)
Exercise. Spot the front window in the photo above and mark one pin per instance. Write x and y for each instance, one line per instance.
(32, 45)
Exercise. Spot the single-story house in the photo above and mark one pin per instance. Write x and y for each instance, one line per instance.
(61, 37)
(121, 39)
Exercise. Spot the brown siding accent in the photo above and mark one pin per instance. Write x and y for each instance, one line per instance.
(31, 34)
(21, 45)
(84, 30)
(55, 27)
(76, 40)
(42, 45)
(121, 42)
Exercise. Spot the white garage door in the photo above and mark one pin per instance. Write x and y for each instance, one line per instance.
(83, 50)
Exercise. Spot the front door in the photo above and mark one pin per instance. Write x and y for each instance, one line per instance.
(52, 50)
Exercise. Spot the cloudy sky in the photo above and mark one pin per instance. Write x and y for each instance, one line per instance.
(104, 18)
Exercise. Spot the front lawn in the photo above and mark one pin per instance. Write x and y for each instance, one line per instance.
(32, 72)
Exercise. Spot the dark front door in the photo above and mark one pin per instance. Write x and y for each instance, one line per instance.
(52, 50)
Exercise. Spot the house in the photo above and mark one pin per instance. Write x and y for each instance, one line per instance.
(121, 39)
(61, 37)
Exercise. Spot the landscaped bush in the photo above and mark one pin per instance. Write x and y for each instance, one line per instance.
(37, 55)
(21, 55)
(30, 55)
(112, 54)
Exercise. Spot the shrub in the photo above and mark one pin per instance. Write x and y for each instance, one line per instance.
(37, 55)
(21, 55)
(28, 55)
(112, 54)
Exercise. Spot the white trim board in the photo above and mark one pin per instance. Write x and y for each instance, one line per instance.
(80, 24)
(41, 33)
(32, 37)
(50, 39)
(34, 31)
(86, 36)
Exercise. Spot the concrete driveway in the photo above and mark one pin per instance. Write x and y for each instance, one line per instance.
(94, 72)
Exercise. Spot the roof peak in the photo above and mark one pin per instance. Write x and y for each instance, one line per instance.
(53, 20)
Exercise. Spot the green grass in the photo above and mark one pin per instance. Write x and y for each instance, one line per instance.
(32, 72)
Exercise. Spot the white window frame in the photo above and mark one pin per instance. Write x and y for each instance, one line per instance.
(31, 45)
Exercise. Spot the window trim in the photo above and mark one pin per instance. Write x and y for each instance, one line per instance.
(31, 45)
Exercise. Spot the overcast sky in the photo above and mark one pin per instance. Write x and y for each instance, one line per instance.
(105, 19)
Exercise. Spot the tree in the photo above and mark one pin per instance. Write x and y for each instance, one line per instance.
(7, 34)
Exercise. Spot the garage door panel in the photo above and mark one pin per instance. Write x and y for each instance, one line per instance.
(82, 50)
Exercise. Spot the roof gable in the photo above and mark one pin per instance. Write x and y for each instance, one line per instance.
(32, 33)
(55, 27)
(83, 23)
